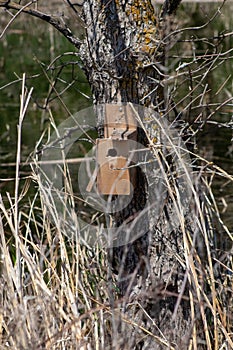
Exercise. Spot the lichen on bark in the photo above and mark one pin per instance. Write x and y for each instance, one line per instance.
(121, 37)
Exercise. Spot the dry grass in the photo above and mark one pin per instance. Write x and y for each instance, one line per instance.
(58, 294)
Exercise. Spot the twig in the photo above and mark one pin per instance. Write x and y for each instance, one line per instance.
(43, 16)
(25, 98)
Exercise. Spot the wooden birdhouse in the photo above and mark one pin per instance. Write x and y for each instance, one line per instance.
(116, 156)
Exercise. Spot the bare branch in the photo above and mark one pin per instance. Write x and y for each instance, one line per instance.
(55, 22)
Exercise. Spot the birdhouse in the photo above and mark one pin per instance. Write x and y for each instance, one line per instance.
(116, 156)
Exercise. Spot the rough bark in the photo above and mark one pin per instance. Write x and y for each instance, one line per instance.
(123, 56)
(122, 37)
(170, 7)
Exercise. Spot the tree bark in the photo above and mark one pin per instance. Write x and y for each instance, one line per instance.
(170, 7)
(122, 37)
(123, 56)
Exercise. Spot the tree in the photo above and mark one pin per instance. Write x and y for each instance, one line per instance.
(161, 274)
(126, 39)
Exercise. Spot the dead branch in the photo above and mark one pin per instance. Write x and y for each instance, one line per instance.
(55, 22)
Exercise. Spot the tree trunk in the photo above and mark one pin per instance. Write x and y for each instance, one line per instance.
(123, 57)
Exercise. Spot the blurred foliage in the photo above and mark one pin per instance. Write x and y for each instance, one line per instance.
(30, 46)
